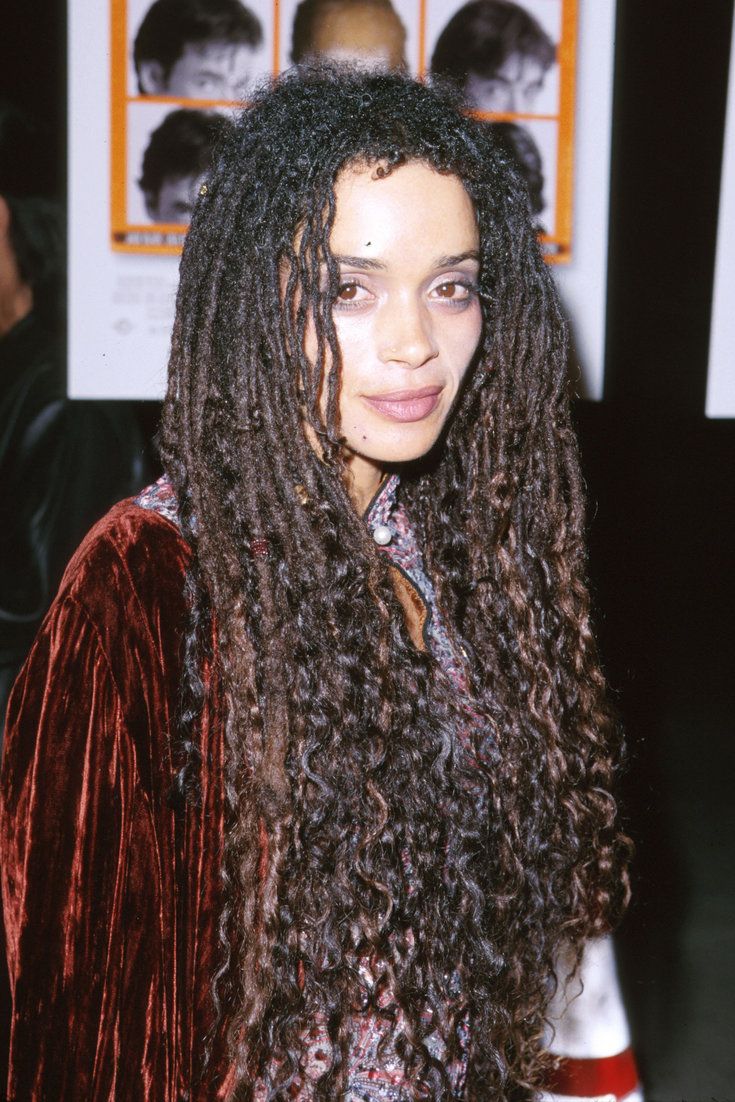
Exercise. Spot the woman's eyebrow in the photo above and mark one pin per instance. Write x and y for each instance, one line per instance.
(457, 258)
(368, 264)
(365, 263)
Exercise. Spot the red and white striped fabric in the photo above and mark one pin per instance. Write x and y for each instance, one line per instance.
(589, 1032)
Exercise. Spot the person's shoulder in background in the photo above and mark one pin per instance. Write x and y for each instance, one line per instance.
(62, 465)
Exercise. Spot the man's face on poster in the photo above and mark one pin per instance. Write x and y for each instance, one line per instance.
(511, 89)
(175, 199)
(205, 70)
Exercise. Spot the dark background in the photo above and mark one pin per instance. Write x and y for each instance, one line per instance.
(661, 481)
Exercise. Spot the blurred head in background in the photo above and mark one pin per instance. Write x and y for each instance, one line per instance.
(31, 226)
(497, 53)
(197, 49)
(367, 33)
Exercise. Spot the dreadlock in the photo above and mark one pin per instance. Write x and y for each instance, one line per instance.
(343, 764)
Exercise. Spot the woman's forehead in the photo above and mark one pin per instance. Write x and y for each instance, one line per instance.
(413, 206)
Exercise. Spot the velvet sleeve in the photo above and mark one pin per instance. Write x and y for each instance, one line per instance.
(85, 920)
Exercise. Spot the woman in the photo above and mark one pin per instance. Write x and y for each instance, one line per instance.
(344, 862)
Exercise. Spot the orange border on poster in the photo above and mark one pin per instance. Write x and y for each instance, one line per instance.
(276, 60)
(421, 67)
(565, 150)
(118, 120)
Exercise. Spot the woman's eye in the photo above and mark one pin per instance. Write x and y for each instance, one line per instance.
(347, 292)
(350, 293)
(453, 290)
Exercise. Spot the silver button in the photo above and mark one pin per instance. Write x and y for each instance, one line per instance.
(382, 534)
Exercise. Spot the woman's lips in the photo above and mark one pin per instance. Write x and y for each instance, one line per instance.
(406, 405)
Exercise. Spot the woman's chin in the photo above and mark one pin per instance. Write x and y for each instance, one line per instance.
(397, 454)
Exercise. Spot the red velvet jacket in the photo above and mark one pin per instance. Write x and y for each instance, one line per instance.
(110, 902)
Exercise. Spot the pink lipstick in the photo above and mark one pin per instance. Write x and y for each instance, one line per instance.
(406, 405)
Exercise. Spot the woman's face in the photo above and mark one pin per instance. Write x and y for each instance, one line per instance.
(407, 314)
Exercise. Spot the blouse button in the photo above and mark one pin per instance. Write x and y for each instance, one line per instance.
(382, 535)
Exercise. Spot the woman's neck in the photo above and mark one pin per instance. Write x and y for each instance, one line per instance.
(363, 480)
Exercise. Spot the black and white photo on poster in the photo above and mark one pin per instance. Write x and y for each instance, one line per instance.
(213, 50)
(532, 146)
(169, 153)
(502, 54)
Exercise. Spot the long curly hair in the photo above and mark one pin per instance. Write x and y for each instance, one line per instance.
(369, 816)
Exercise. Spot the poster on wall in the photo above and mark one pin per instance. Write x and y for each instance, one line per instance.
(145, 118)
(721, 373)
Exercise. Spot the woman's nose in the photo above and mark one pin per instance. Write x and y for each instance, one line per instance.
(406, 334)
